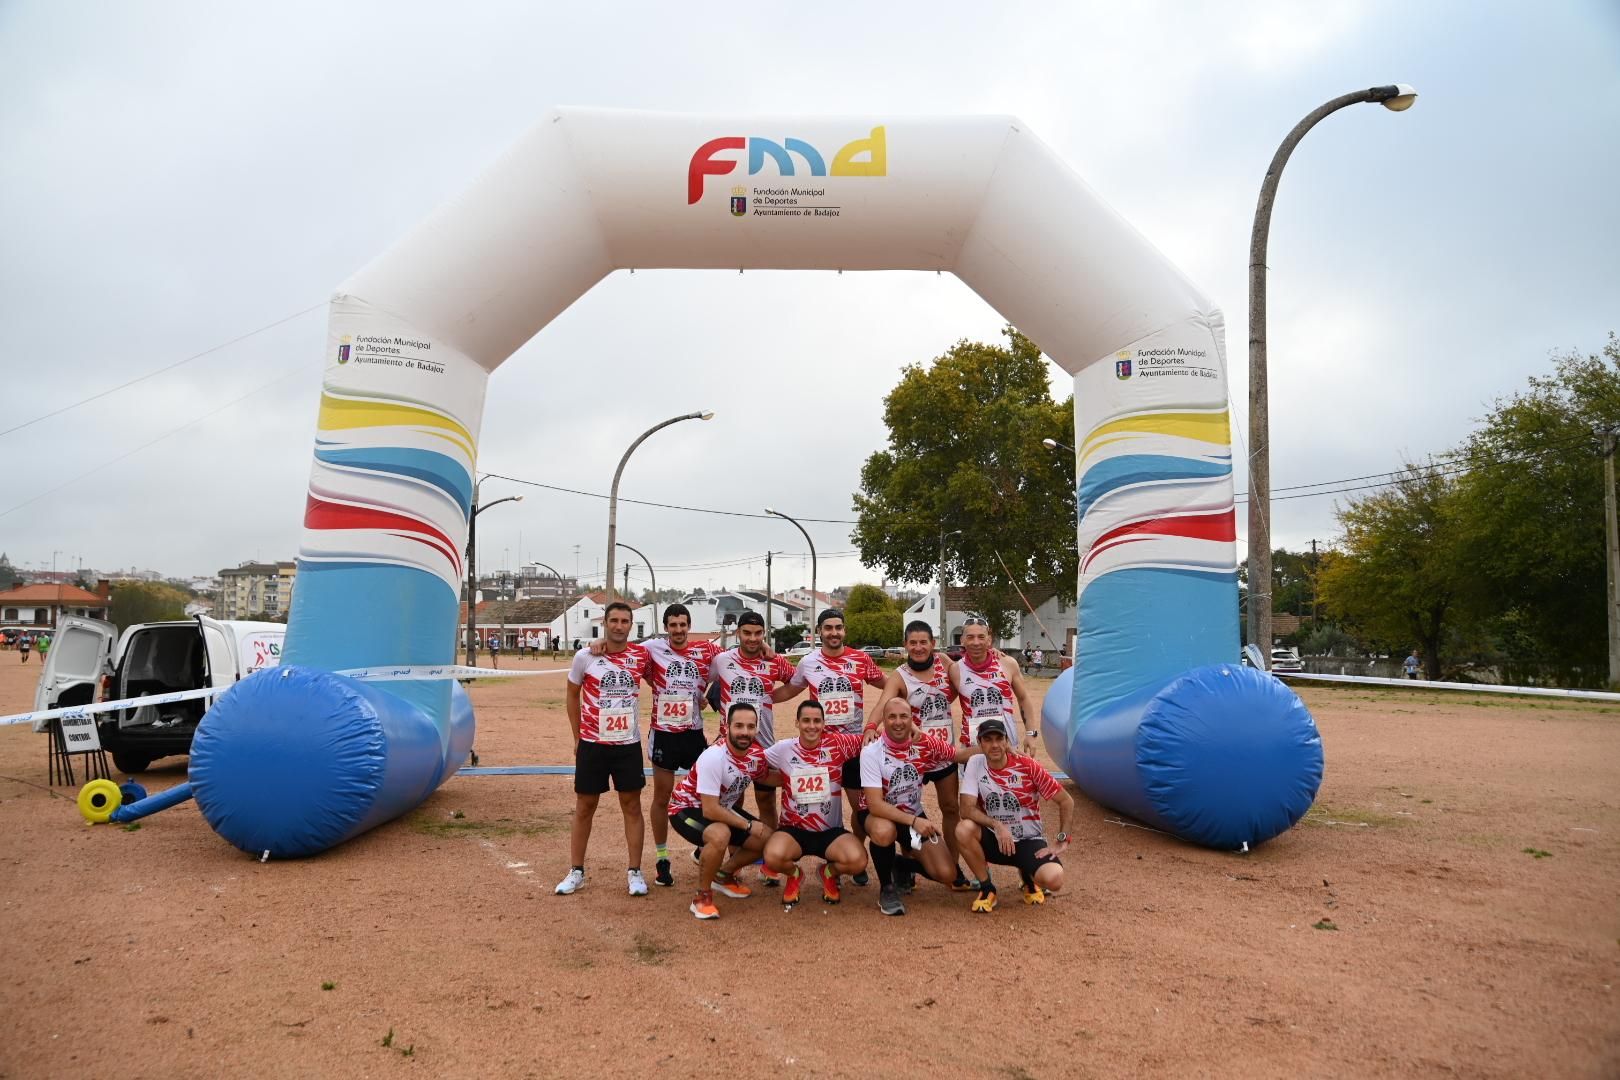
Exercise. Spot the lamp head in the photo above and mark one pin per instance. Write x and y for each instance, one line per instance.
(706, 416)
(1050, 444)
(1399, 98)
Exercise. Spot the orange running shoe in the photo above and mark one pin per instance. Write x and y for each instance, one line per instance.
(790, 887)
(730, 886)
(830, 893)
(769, 877)
(703, 906)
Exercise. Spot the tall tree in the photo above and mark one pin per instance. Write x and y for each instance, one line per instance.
(1532, 504)
(965, 456)
(145, 601)
(1400, 568)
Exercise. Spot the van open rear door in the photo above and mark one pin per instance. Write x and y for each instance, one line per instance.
(79, 655)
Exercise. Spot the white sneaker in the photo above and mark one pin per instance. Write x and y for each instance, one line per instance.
(574, 882)
(638, 884)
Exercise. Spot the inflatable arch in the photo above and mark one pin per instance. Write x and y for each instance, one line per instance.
(1162, 723)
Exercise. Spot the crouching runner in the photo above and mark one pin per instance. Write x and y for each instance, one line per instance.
(1001, 818)
(704, 809)
(892, 771)
(813, 806)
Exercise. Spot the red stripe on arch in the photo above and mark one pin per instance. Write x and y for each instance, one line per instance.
(1217, 527)
(319, 514)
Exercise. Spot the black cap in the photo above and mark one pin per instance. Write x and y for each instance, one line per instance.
(993, 726)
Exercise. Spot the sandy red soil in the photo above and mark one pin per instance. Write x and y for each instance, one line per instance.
(164, 952)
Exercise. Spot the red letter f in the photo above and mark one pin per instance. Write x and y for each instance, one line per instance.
(703, 165)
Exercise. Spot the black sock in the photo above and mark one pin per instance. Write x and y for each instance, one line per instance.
(883, 862)
(985, 882)
(581, 869)
(907, 865)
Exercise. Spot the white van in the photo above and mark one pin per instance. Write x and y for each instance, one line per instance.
(151, 658)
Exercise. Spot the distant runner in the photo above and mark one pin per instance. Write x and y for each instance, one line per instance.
(1001, 818)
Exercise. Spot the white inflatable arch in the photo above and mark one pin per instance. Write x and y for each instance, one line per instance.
(415, 335)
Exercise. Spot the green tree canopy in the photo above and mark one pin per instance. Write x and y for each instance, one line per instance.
(965, 458)
(145, 601)
(1531, 502)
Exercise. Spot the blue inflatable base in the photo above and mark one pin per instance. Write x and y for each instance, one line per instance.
(1224, 756)
(293, 760)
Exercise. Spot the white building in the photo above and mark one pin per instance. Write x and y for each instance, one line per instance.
(710, 611)
(1051, 627)
(582, 622)
(809, 603)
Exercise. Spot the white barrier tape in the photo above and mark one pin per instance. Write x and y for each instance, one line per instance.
(389, 674)
(1479, 688)
(78, 712)
(442, 671)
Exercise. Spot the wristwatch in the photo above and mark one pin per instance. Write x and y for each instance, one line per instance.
(1063, 838)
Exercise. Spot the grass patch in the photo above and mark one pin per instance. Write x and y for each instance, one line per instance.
(328, 986)
(1537, 853)
(1323, 924)
(1320, 814)
(388, 1039)
(430, 823)
(648, 951)
(133, 826)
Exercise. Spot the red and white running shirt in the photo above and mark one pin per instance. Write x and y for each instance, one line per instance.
(608, 694)
(751, 681)
(900, 774)
(986, 692)
(720, 773)
(678, 677)
(1011, 795)
(930, 694)
(835, 683)
(813, 797)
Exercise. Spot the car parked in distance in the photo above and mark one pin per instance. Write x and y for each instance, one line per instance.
(955, 652)
(1286, 661)
(803, 648)
(874, 651)
(895, 652)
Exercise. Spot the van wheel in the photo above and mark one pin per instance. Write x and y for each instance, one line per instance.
(127, 762)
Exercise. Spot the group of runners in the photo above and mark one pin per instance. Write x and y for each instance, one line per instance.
(841, 788)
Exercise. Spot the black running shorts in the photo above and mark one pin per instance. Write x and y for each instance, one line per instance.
(690, 823)
(677, 750)
(814, 844)
(597, 763)
(1023, 856)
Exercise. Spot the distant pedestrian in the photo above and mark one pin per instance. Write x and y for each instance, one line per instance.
(1039, 659)
(495, 650)
(1410, 664)
(24, 643)
(44, 644)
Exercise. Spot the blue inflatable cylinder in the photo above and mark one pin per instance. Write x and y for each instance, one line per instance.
(1224, 756)
(140, 808)
(294, 760)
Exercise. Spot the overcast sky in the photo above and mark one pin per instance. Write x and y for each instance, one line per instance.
(174, 176)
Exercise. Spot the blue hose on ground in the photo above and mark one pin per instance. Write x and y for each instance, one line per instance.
(151, 804)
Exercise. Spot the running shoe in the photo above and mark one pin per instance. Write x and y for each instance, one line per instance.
(985, 902)
(963, 883)
(830, 892)
(861, 879)
(571, 884)
(703, 906)
(768, 877)
(730, 886)
(790, 887)
(661, 874)
(1033, 893)
(889, 901)
(637, 883)
(905, 881)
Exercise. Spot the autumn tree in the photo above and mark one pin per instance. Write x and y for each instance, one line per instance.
(965, 463)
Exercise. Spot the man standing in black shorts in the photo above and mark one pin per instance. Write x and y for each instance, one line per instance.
(603, 695)
(1001, 818)
(678, 673)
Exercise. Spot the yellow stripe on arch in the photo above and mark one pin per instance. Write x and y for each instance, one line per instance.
(1203, 427)
(339, 414)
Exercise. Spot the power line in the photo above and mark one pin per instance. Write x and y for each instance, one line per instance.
(160, 371)
(666, 506)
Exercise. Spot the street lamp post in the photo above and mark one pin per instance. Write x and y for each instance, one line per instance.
(1396, 98)
(565, 599)
(613, 496)
(472, 568)
(943, 536)
(812, 543)
(633, 551)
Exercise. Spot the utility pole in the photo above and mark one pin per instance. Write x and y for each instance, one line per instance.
(1612, 548)
(1314, 566)
(768, 604)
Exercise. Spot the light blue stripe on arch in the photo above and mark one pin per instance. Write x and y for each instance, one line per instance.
(1115, 473)
(440, 470)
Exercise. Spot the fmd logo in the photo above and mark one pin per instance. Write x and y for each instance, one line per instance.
(704, 163)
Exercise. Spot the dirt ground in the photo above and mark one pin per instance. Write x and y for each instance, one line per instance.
(1451, 906)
